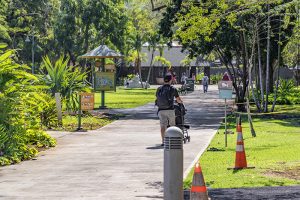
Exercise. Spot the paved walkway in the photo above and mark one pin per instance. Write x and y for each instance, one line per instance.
(122, 160)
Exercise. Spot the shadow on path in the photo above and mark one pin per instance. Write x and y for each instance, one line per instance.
(261, 193)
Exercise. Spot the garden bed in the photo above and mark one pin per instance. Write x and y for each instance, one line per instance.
(89, 121)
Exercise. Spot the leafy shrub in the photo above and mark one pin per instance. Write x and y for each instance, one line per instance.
(130, 76)
(48, 113)
(288, 93)
(13, 145)
(21, 101)
(4, 161)
(199, 76)
(216, 77)
(39, 138)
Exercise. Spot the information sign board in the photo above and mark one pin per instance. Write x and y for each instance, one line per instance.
(87, 101)
(105, 81)
(225, 89)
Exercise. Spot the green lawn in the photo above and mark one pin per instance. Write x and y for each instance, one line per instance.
(279, 110)
(287, 109)
(126, 98)
(274, 153)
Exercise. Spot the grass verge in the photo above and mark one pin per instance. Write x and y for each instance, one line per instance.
(274, 153)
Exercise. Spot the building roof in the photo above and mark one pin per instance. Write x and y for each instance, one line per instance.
(174, 55)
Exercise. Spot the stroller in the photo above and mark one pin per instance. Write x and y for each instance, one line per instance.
(180, 111)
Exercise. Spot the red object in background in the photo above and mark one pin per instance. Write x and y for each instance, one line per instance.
(226, 77)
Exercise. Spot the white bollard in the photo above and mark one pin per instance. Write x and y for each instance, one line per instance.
(173, 164)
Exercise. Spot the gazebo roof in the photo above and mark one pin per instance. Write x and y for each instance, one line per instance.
(102, 51)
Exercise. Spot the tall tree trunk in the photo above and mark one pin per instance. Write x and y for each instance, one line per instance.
(271, 74)
(259, 64)
(278, 67)
(139, 68)
(151, 64)
(86, 37)
(250, 61)
(72, 57)
(268, 60)
(242, 89)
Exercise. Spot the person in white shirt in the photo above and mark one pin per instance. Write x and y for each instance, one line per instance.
(183, 79)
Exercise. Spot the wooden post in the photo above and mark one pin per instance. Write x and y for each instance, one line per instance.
(79, 114)
(58, 108)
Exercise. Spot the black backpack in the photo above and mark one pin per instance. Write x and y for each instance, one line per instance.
(165, 98)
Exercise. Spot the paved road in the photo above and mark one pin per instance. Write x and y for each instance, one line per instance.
(258, 193)
(120, 161)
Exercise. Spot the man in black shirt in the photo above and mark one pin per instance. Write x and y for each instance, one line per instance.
(165, 95)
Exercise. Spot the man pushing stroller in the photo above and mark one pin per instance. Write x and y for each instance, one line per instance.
(165, 95)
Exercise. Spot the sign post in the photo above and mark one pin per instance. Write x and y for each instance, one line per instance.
(86, 102)
(225, 92)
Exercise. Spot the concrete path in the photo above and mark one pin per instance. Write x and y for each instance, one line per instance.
(120, 161)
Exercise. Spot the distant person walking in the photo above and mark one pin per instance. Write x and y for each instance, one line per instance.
(165, 95)
(193, 77)
(205, 83)
(183, 79)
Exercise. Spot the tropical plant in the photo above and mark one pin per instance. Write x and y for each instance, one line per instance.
(48, 113)
(200, 76)
(216, 77)
(141, 27)
(64, 79)
(21, 98)
(186, 61)
(287, 93)
(134, 56)
(163, 61)
(285, 86)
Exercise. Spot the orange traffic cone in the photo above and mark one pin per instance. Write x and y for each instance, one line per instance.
(198, 190)
(238, 122)
(240, 155)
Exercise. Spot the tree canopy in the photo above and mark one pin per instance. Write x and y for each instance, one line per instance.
(245, 35)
